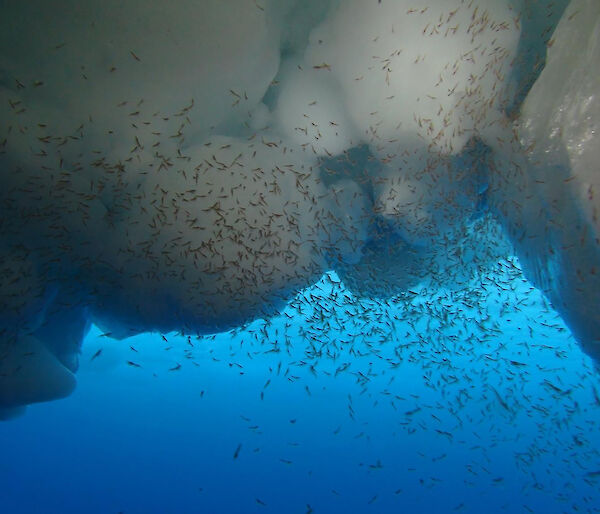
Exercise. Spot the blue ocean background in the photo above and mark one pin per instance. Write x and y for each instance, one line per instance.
(474, 400)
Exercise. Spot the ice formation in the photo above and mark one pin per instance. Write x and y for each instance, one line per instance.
(192, 165)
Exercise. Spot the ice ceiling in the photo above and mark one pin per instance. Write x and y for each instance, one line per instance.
(191, 165)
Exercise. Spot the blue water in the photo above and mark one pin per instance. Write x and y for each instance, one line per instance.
(465, 401)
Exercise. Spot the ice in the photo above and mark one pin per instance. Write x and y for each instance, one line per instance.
(193, 166)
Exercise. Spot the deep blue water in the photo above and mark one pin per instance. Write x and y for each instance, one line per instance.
(476, 401)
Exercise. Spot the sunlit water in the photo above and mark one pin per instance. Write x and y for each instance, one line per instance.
(464, 401)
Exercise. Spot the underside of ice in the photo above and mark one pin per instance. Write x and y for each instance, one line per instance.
(176, 167)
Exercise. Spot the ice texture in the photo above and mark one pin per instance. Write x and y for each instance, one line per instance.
(193, 165)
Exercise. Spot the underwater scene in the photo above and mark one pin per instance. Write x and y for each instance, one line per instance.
(299, 256)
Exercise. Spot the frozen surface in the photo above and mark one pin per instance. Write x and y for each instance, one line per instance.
(179, 168)
(545, 185)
